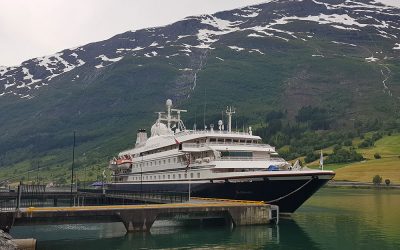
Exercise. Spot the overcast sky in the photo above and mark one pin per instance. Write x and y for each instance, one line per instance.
(33, 28)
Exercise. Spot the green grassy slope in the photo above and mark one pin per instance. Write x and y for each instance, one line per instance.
(388, 167)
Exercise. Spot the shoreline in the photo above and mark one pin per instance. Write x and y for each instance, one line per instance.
(360, 185)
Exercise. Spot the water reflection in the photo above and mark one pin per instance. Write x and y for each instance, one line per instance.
(170, 235)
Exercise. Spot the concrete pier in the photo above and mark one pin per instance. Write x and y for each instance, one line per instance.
(142, 217)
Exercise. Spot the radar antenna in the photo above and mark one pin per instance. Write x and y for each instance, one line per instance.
(229, 113)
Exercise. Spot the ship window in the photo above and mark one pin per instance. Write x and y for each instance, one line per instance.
(236, 154)
(164, 161)
(173, 176)
(174, 160)
(185, 176)
(168, 177)
(151, 163)
(163, 176)
(159, 177)
(191, 175)
(198, 175)
(213, 140)
(235, 141)
(179, 176)
(169, 160)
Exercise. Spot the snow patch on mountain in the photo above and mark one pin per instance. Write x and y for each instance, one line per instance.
(350, 44)
(256, 50)
(236, 48)
(220, 27)
(343, 19)
(396, 46)
(371, 59)
(106, 59)
(153, 44)
(254, 35)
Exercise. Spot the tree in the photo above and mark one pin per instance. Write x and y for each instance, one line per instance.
(377, 180)
(310, 157)
(387, 182)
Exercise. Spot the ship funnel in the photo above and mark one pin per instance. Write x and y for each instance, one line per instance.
(141, 136)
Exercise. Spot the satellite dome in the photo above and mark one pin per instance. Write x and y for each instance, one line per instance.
(159, 129)
(169, 103)
(220, 123)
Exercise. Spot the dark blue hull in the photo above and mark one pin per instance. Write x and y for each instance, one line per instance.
(287, 194)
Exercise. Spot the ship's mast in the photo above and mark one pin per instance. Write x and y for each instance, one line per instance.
(229, 113)
(170, 117)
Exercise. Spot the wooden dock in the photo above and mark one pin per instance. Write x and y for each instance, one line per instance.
(142, 217)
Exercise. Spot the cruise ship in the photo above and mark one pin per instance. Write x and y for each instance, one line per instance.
(215, 162)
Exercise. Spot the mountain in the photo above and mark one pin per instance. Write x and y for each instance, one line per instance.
(340, 55)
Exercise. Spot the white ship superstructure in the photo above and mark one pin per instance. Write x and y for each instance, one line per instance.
(213, 162)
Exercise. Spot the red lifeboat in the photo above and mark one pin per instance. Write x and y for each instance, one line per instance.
(123, 162)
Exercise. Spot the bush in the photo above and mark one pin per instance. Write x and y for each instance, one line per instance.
(376, 136)
(310, 157)
(377, 156)
(348, 143)
(387, 182)
(344, 155)
(366, 143)
(377, 180)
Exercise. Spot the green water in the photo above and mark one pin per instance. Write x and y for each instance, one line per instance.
(331, 219)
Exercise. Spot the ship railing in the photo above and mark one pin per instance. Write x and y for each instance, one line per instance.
(274, 160)
(200, 145)
(191, 132)
(233, 158)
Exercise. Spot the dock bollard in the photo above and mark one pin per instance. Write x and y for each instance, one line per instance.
(25, 244)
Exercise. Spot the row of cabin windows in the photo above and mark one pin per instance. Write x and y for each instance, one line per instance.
(166, 177)
(158, 162)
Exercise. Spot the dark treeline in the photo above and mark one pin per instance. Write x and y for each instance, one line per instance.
(315, 128)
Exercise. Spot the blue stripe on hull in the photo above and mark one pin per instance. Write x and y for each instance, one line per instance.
(287, 194)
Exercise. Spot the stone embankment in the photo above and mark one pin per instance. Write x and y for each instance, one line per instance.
(6, 242)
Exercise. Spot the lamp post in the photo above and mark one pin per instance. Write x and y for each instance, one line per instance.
(72, 167)
(37, 174)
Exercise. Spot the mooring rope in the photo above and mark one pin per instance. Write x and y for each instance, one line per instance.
(294, 191)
